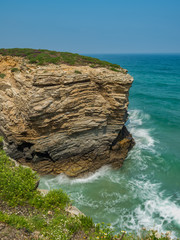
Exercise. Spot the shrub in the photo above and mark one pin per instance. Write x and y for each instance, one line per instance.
(2, 75)
(114, 69)
(1, 143)
(15, 221)
(14, 70)
(86, 222)
(38, 221)
(78, 72)
(92, 66)
(103, 230)
(73, 225)
(17, 187)
(17, 184)
(56, 199)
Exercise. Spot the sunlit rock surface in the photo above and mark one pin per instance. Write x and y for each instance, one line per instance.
(60, 118)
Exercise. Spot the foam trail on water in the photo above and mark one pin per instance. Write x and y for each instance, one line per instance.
(128, 197)
(144, 140)
(156, 211)
(47, 184)
(62, 179)
(136, 117)
(142, 136)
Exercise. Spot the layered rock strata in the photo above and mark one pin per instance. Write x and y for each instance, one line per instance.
(64, 119)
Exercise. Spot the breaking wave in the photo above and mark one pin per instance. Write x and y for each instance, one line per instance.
(129, 198)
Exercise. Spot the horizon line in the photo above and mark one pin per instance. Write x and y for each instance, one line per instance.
(143, 53)
(137, 53)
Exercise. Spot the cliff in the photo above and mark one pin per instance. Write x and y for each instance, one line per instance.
(60, 118)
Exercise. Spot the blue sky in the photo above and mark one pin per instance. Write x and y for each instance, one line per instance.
(92, 26)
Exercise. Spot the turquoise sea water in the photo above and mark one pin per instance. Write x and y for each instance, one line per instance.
(145, 192)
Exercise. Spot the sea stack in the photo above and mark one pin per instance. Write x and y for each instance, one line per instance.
(58, 118)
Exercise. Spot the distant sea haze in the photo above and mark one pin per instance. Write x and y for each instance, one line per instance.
(145, 192)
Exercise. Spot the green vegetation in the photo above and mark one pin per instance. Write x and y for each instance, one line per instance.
(42, 57)
(92, 65)
(48, 215)
(2, 75)
(17, 187)
(78, 72)
(23, 207)
(114, 69)
(15, 221)
(14, 70)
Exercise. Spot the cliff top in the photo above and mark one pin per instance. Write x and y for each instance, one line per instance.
(44, 57)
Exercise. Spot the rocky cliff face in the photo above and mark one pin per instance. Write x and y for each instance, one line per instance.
(60, 118)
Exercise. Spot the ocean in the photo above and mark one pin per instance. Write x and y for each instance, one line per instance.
(145, 192)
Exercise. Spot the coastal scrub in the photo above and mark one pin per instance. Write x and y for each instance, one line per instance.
(26, 212)
(44, 57)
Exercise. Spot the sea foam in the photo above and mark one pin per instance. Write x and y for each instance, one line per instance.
(127, 197)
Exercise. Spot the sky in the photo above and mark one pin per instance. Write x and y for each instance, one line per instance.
(91, 26)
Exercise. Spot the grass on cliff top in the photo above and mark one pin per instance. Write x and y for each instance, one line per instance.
(24, 208)
(43, 57)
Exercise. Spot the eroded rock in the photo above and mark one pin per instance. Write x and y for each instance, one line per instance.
(57, 121)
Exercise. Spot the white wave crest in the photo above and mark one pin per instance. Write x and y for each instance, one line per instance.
(155, 212)
(137, 117)
(129, 199)
(62, 179)
(143, 138)
(142, 135)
